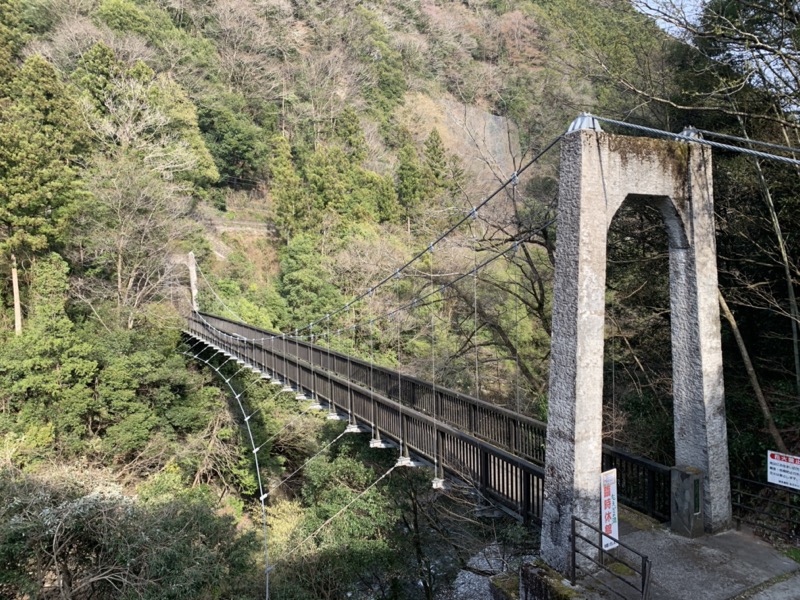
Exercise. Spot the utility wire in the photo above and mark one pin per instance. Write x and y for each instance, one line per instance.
(412, 304)
(213, 291)
(408, 306)
(513, 181)
(288, 424)
(450, 284)
(685, 136)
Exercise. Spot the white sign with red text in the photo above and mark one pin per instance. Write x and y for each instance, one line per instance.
(783, 469)
(609, 519)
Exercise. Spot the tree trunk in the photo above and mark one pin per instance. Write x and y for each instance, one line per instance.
(792, 300)
(17, 301)
(751, 373)
(776, 226)
(119, 284)
(192, 264)
(787, 274)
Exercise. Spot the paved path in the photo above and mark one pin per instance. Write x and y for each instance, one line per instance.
(734, 565)
(785, 589)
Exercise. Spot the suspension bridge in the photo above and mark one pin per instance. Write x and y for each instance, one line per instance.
(498, 450)
(538, 472)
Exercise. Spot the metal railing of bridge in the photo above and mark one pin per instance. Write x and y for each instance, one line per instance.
(642, 484)
(501, 451)
(511, 481)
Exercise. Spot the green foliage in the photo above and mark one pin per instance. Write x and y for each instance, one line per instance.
(411, 181)
(144, 390)
(105, 542)
(95, 72)
(258, 304)
(38, 16)
(350, 134)
(74, 390)
(291, 200)
(238, 145)
(514, 100)
(135, 108)
(304, 284)
(335, 186)
(39, 187)
(376, 194)
(12, 38)
(375, 49)
(123, 15)
(190, 59)
(330, 187)
(436, 158)
(350, 550)
(49, 371)
(179, 111)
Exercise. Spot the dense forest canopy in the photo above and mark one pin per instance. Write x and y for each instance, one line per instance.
(303, 150)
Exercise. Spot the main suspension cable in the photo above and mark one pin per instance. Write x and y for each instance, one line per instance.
(743, 140)
(686, 136)
(511, 180)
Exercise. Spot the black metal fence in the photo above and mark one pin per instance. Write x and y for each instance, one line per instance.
(642, 484)
(511, 481)
(623, 571)
(377, 395)
(506, 429)
(767, 507)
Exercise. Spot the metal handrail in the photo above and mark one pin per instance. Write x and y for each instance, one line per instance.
(748, 505)
(507, 479)
(644, 485)
(538, 427)
(393, 373)
(644, 569)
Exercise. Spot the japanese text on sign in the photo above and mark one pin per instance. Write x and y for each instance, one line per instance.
(609, 521)
(783, 469)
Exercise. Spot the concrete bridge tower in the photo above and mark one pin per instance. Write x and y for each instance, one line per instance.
(599, 172)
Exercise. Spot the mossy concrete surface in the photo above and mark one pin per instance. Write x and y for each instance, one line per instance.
(505, 586)
(540, 582)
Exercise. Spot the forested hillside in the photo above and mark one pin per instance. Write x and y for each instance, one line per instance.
(303, 150)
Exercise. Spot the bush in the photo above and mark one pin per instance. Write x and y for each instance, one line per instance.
(65, 534)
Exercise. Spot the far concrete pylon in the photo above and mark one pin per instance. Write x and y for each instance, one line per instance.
(599, 172)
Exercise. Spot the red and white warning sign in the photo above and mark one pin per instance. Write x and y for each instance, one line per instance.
(609, 519)
(783, 469)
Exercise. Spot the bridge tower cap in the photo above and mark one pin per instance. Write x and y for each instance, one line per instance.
(691, 132)
(584, 121)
